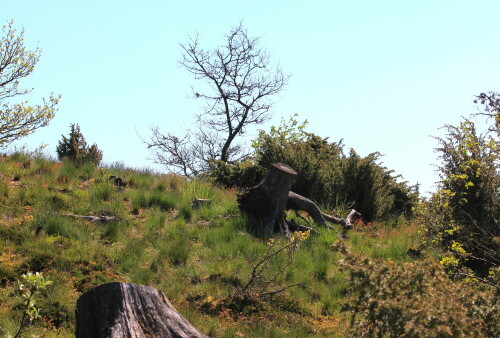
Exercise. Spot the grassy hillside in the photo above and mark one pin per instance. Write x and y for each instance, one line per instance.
(201, 259)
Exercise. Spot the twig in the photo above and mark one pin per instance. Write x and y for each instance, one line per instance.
(482, 280)
(280, 290)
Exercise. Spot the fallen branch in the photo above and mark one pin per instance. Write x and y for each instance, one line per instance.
(479, 279)
(270, 293)
(350, 218)
(292, 226)
(94, 219)
(297, 202)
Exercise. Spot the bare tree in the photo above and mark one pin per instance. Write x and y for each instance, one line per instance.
(239, 86)
(490, 103)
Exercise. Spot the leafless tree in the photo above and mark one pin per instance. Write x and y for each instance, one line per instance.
(239, 84)
(490, 107)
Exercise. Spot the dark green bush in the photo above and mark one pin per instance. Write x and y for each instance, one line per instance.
(325, 173)
(76, 150)
(242, 174)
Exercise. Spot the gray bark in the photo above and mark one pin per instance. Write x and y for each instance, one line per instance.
(94, 218)
(129, 310)
(266, 202)
(197, 203)
(300, 203)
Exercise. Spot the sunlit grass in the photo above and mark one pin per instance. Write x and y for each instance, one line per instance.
(157, 238)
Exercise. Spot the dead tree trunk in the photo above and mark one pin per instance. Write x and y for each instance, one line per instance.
(266, 202)
(129, 310)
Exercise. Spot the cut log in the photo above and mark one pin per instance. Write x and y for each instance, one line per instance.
(129, 310)
(266, 202)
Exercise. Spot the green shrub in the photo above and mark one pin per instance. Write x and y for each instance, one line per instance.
(75, 149)
(243, 174)
(131, 254)
(112, 231)
(142, 199)
(87, 171)
(324, 173)
(141, 180)
(186, 211)
(67, 171)
(161, 200)
(463, 215)
(178, 247)
(138, 200)
(415, 299)
(42, 166)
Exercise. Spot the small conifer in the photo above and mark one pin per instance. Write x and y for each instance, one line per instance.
(74, 147)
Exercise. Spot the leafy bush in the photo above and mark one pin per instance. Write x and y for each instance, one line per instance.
(242, 174)
(75, 148)
(416, 299)
(463, 215)
(30, 287)
(325, 173)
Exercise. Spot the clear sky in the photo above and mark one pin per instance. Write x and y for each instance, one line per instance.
(382, 75)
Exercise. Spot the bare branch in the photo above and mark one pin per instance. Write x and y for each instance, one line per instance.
(238, 84)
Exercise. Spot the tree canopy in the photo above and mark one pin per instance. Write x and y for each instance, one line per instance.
(17, 62)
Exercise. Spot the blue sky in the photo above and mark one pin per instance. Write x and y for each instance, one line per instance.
(382, 75)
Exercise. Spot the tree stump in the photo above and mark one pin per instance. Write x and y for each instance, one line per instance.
(198, 203)
(266, 202)
(129, 310)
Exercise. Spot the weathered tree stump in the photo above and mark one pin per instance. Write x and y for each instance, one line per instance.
(198, 203)
(129, 310)
(266, 202)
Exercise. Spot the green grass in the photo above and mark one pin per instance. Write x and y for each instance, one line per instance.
(158, 239)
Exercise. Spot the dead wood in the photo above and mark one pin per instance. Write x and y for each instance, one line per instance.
(94, 219)
(265, 203)
(200, 202)
(129, 310)
(297, 202)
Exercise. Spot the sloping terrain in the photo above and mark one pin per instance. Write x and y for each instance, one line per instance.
(201, 259)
